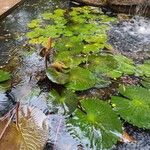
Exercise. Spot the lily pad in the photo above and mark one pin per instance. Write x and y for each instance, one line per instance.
(125, 65)
(80, 79)
(67, 99)
(97, 127)
(144, 69)
(4, 76)
(146, 82)
(135, 108)
(57, 76)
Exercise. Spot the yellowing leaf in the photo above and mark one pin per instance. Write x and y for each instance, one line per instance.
(30, 134)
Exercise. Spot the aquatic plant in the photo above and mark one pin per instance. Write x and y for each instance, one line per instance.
(65, 99)
(96, 125)
(4, 76)
(144, 69)
(80, 61)
(134, 106)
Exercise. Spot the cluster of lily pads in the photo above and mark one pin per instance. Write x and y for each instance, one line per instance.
(83, 62)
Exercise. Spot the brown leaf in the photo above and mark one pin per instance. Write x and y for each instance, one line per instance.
(30, 134)
(126, 138)
(59, 66)
(49, 43)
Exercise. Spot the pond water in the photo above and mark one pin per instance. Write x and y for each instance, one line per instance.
(131, 38)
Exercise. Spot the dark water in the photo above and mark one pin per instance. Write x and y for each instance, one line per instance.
(13, 27)
(128, 37)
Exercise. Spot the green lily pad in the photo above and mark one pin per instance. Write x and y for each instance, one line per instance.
(56, 76)
(97, 127)
(4, 76)
(144, 69)
(34, 23)
(67, 99)
(135, 108)
(125, 65)
(146, 82)
(80, 79)
(102, 63)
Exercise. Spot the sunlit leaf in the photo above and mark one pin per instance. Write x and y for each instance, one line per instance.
(34, 23)
(98, 127)
(135, 108)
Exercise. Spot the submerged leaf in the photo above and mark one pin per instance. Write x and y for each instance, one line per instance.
(135, 108)
(31, 132)
(98, 127)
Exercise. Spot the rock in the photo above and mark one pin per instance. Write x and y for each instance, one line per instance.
(128, 2)
(141, 7)
(92, 2)
(114, 2)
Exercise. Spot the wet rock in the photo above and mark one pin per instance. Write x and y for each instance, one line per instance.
(123, 6)
(114, 2)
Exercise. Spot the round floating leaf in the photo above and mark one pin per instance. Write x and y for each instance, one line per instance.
(136, 107)
(97, 127)
(125, 65)
(57, 76)
(69, 59)
(47, 16)
(144, 69)
(4, 76)
(80, 79)
(146, 83)
(66, 98)
(102, 63)
(34, 23)
(95, 48)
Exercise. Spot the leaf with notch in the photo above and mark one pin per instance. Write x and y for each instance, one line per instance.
(98, 127)
(67, 99)
(135, 108)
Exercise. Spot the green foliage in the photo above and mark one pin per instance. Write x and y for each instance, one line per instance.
(34, 23)
(67, 99)
(98, 127)
(125, 65)
(135, 108)
(57, 76)
(146, 82)
(4, 76)
(144, 69)
(80, 79)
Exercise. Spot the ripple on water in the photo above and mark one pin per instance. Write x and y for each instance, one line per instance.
(133, 35)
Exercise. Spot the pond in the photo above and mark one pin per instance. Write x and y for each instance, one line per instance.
(30, 86)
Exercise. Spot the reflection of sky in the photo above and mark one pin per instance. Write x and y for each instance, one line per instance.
(16, 23)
